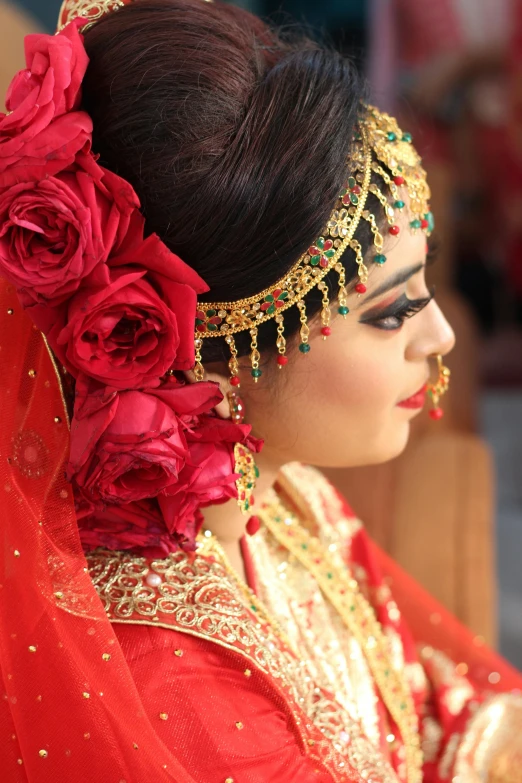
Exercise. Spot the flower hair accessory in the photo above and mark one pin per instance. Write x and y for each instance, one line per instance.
(147, 450)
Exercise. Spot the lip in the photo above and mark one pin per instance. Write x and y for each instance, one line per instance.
(417, 400)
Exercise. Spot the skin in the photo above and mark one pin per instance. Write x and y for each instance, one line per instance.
(337, 405)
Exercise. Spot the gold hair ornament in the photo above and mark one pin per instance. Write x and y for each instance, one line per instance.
(91, 10)
(379, 142)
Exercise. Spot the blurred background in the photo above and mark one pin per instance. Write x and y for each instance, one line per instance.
(450, 509)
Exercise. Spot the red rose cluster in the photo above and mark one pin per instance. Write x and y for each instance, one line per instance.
(117, 308)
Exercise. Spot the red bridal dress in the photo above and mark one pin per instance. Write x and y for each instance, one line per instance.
(329, 665)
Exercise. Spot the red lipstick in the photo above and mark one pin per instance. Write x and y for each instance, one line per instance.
(417, 400)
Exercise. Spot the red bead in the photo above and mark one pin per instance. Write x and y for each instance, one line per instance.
(424, 223)
(436, 413)
(356, 190)
(394, 230)
(235, 381)
(398, 180)
(360, 288)
(253, 525)
(282, 360)
(252, 500)
(326, 330)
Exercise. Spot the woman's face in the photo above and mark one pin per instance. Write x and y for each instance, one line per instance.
(337, 406)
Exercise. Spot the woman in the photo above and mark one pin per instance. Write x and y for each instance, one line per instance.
(178, 649)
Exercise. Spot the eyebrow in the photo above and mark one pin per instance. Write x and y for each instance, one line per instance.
(402, 276)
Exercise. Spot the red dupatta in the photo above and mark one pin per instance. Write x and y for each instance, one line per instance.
(70, 703)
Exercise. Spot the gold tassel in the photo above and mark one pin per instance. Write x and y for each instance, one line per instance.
(233, 364)
(199, 371)
(255, 356)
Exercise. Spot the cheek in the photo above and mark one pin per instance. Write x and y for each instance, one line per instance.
(358, 374)
(335, 406)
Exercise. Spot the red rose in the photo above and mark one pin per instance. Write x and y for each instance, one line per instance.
(128, 325)
(35, 137)
(138, 527)
(128, 446)
(54, 232)
(208, 478)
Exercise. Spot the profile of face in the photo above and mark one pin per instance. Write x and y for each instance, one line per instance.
(337, 406)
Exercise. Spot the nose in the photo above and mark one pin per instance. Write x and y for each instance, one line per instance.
(434, 334)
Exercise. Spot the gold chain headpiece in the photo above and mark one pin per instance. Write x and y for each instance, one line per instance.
(379, 142)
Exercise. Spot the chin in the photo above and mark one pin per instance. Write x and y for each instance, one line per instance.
(393, 447)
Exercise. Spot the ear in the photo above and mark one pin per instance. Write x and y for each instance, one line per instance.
(222, 408)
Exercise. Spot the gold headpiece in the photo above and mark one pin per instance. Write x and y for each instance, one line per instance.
(378, 142)
(93, 10)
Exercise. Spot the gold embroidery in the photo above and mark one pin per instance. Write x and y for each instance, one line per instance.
(342, 591)
(200, 595)
(336, 660)
(491, 748)
(432, 736)
(444, 672)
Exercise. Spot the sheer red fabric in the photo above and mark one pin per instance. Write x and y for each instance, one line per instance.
(70, 702)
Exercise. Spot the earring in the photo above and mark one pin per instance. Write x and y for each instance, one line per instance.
(244, 465)
(438, 389)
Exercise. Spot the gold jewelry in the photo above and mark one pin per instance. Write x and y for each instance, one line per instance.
(245, 463)
(439, 388)
(93, 10)
(249, 473)
(378, 142)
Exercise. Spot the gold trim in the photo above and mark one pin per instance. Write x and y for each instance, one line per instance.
(58, 378)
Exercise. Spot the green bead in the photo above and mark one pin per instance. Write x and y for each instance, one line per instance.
(431, 221)
(343, 310)
(247, 505)
(250, 486)
(391, 136)
(380, 258)
(415, 223)
(304, 347)
(398, 204)
(406, 137)
(256, 471)
(257, 373)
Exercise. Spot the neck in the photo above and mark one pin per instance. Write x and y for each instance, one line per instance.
(227, 522)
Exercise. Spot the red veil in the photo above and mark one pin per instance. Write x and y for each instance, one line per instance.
(70, 704)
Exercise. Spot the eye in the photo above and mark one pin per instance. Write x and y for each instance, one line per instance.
(393, 317)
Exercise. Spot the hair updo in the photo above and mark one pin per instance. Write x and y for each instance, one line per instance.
(234, 136)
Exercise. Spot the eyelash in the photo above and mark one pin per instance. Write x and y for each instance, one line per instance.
(400, 312)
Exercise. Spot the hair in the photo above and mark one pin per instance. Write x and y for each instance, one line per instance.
(234, 135)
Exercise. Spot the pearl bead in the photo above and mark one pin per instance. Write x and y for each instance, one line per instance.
(153, 580)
